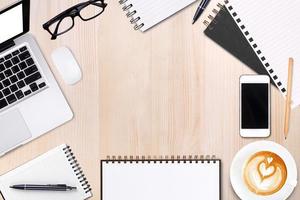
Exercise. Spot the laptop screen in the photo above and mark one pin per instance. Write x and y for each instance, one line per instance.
(11, 23)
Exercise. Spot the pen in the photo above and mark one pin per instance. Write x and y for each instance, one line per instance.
(200, 10)
(57, 187)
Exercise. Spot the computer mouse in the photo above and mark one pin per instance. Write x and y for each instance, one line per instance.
(67, 65)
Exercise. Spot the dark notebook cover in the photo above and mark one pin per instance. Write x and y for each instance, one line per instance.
(224, 31)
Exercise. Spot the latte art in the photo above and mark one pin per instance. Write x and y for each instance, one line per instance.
(265, 173)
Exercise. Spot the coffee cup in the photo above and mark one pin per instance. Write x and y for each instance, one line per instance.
(263, 170)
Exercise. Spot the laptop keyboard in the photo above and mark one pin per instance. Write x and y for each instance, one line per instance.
(19, 77)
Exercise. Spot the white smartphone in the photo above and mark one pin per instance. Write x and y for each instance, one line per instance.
(255, 106)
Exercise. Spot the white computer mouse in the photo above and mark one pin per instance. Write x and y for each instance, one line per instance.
(66, 65)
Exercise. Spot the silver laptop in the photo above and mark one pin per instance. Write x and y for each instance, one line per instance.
(31, 102)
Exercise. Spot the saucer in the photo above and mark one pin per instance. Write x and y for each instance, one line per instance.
(236, 171)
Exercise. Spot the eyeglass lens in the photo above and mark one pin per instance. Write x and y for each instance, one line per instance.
(91, 11)
(62, 26)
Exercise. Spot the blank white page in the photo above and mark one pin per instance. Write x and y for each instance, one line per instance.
(152, 12)
(161, 181)
(274, 27)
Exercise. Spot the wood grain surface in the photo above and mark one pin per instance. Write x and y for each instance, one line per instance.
(169, 91)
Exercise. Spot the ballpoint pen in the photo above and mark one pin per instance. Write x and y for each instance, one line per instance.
(56, 187)
(200, 10)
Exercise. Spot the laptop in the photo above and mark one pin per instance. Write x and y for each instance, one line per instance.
(31, 102)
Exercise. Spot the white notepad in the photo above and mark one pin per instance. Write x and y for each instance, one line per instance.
(272, 29)
(147, 13)
(161, 180)
(56, 166)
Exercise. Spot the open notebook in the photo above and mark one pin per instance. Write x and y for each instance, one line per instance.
(58, 166)
(144, 14)
(274, 37)
(161, 179)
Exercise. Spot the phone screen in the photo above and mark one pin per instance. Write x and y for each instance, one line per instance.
(255, 106)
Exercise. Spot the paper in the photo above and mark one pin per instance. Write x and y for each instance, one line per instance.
(273, 30)
(151, 12)
(161, 181)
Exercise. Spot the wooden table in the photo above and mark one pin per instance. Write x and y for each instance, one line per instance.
(169, 91)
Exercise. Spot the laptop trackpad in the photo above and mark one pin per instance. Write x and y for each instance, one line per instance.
(13, 130)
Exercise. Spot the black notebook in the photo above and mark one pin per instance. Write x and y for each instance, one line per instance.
(223, 30)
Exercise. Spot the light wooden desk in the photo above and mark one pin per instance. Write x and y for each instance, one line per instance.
(170, 91)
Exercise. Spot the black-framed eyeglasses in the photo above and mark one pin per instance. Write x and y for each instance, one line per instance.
(64, 22)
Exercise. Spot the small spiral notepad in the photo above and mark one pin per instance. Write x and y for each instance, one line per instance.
(58, 166)
(144, 14)
(272, 29)
(143, 178)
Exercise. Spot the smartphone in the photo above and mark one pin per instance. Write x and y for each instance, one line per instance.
(255, 106)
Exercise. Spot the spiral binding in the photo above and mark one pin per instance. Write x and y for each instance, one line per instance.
(162, 159)
(77, 169)
(211, 17)
(131, 14)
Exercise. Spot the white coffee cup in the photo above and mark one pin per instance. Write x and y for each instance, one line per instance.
(236, 171)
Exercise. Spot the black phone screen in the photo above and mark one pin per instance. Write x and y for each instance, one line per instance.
(255, 106)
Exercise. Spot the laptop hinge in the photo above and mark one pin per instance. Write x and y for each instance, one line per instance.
(6, 45)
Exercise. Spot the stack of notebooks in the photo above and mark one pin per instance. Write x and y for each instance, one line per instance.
(259, 38)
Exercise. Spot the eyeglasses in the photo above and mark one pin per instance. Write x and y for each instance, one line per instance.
(64, 22)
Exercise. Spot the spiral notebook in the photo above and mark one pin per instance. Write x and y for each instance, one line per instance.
(223, 30)
(161, 179)
(144, 14)
(56, 166)
(273, 37)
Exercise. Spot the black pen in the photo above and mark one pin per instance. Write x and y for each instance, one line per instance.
(57, 187)
(200, 10)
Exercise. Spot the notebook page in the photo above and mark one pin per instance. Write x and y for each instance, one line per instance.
(275, 30)
(152, 12)
(160, 181)
(50, 168)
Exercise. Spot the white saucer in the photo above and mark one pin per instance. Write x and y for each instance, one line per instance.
(236, 176)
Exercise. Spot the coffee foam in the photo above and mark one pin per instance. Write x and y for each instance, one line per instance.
(265, 173)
